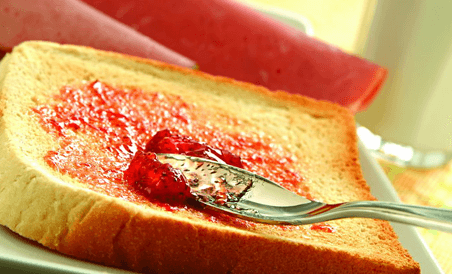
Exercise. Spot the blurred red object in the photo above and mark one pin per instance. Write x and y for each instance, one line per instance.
(230, 39)
(74, 22)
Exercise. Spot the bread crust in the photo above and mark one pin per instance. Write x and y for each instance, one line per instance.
(56, 210)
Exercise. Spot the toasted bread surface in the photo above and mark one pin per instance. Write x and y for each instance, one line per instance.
(60, 212)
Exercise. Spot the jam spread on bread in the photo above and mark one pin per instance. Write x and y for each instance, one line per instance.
(100, 130)
(325, 227)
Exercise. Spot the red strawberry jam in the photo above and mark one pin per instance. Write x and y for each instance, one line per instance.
(166, 142)
(157, 180)
(162, 181)
(324, 227)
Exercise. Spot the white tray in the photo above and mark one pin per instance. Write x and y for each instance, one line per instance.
(19, 255)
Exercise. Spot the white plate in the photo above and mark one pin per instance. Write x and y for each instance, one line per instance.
(20, 255)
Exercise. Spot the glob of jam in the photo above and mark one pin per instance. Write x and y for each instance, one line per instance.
(167, 142)
(158, 181)
(162, 182)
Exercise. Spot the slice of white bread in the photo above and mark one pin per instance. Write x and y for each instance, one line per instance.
(61, 213)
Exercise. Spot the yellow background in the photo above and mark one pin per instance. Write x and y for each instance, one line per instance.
(341, 23)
